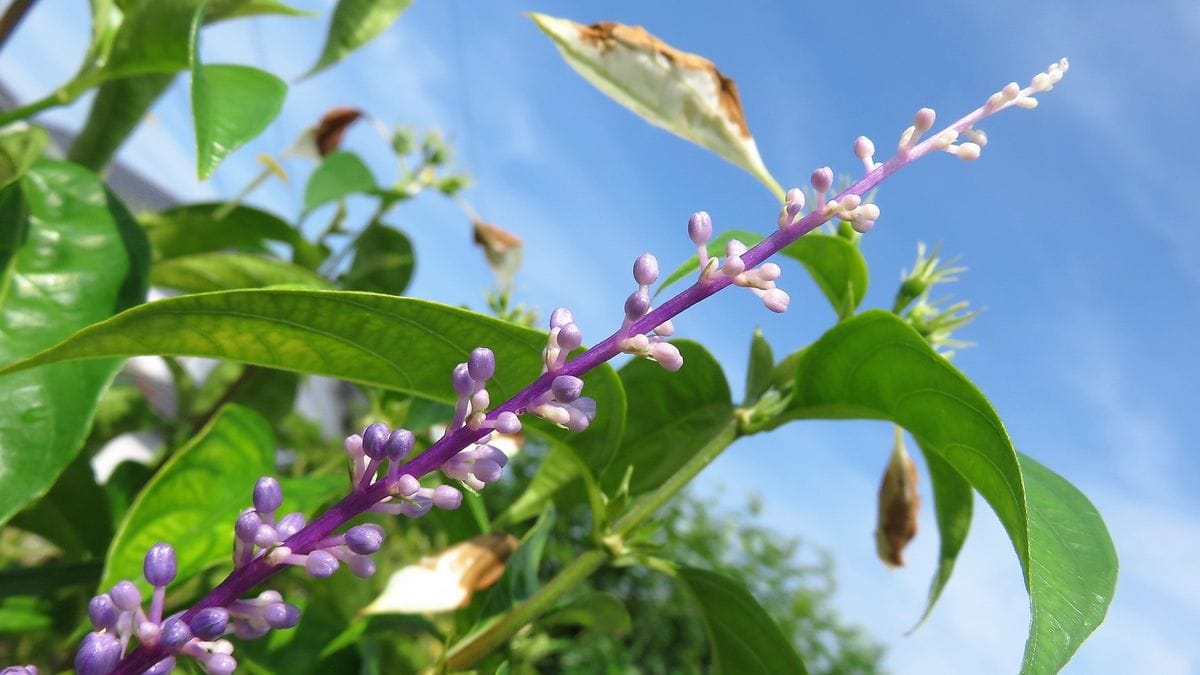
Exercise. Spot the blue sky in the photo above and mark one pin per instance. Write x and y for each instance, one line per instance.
(1077, 225)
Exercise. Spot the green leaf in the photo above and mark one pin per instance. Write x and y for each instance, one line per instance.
(219, 10)
(119, 106)
(231, 105)
(838, 267)
(596, 610)
(20, 147)
(741, 635)
(224, 271)
(676, 414)
(194, 499)
(354, 24)
(48, 579)
(398, 343)
(383, 261)
(270, 393)
(71, 256)
(339, 175)
(758, 371)
(73, 515)
(558, 469)
(153, 37)
(192, 229)
(952, 504)
(520, 579)
(677, 91)
(1074, 568)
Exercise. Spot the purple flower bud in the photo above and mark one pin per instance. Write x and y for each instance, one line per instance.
(863, 147)
(210, 623)
(281, 615)
(159, 566)
(162, 667)
(266, 536)
(103, 612)
(645, 269)
(245, 630)
(700, 228)
(566, 388)
(364, 539)
(321, 564)
(493, 453)
(175, 633)
(353, 446)
(667, 355)
(126, 596)
(561, 317)
(822, 179)
(98, 654)
(246, 528)
(636, 305)
(569, 337)
(220, 664)
(399, 444)
(577, 420)
(20, 670)
(375, 440)
(508, 423)
(289, 525)
(486, 470)
(447, 497)
(464, 385)
(267, 495)
(794, 201)
(360, 566)
(407, 485)
(481, 364)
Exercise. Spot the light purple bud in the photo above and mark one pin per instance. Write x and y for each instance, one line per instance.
(794, 201)
(159, 566)
(493, 453)
(20, 670)
(447, 497)
(636, 305)
(321, 564)
(375, 440)
(924, 119)
(561, 317)
(244, 630)
(103, 612)
(486, 470)
(776, 300)
(569, 337)
(577, 420)
(220, 664)
(416, 508)
(353, 446)
(364, 539)
(822, 179)
(645, 269)
(667, 355)
(281, 615)
(407, 485)
(126, 596)
(566, 388)
(290, 524)
(175, 633)
(399, 444)
(210, 623)
(266, 536)
(162, 667)
(360, 566)
(700, 228)
(863, 147)
(464, 385)
(267, 495)
(508, 423)
(481, 364)
(246, 528)
(98, 654)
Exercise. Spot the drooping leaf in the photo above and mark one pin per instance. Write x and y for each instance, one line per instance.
(676, 414)
(339, 175)
(398, 343)
(19, 148)
(758, 371)
(71, 256)
(225, 271)
(952, 504)
(742, 637)
(119, 106)
(193, 500)
(354, 24)
(195, 228)
(1073, 568)
(383, 261)
(681, 92)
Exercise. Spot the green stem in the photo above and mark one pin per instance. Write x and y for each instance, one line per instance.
(232, 204)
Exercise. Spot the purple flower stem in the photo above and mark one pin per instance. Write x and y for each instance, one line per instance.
(242, 580)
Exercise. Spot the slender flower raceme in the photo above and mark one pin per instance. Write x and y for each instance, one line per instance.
(264, 545)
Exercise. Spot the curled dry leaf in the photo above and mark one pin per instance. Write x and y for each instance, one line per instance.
(447, 580)
(898, 505)
(681, 92)
(502, 249)
(325, 137)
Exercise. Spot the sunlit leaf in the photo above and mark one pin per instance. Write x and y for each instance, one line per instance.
(339, 175)
(225, 271)
(196, 228)
(20, 146)
(355, 23)
(681, 92)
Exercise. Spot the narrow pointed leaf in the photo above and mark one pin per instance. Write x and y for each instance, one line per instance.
(226, 271)
(953, 502)
(355, 23)
(760, 366)
(680, 92)
(231, 105)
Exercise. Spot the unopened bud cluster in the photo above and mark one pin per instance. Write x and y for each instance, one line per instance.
(760, 280)
(653, 345)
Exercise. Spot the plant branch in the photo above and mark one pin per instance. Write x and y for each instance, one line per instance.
(13, 14)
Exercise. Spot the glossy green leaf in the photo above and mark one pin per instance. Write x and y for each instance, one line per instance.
(20, 146)
(230, 106)
(225, 271)
(397, 343)
(742, 637)
(339, 175)
(71, 256)
(761, 364)
(953, 502)
(383, 261)
(193, 500)
(597, 610)
(1073, 568)
(677, 91)
(676, 413)
(153, 37)
(119, 106)
(195, 228)
(219, 10)
(354, 24)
